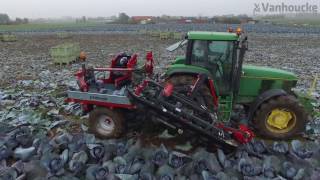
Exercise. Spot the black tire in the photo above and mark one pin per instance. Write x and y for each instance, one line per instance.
(286, 103)
(204, 98)
(99, 128)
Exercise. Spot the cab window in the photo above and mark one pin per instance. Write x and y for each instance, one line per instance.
(215, 56)
(220, 59)
(199, 52)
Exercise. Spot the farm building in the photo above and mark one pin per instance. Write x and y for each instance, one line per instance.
(142, 19)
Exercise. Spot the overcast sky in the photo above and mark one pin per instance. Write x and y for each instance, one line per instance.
(93, 8)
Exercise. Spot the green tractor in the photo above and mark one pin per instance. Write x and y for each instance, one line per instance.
(266, 95)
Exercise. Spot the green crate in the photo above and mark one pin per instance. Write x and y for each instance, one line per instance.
(64, 60)
(164, 35)
(63, 35)
(155, 33)
(9, 38)
(143, 31)
(65, 53)
(177, 36)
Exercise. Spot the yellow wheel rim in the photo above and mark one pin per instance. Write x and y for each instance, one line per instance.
(281, 121)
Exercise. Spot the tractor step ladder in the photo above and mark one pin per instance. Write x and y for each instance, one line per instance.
(225, 108)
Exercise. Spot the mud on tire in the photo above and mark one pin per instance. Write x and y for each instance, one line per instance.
(290, 104)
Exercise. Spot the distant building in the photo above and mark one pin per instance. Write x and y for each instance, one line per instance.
(252, 21)
(185, 21)
(142, 19)
(193, 20)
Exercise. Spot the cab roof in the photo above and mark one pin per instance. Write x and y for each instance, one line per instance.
(216, 36)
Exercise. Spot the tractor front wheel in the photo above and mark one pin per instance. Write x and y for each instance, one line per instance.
(280, 118)
(105, 123)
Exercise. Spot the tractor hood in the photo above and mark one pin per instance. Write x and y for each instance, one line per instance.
(259, 72)
(256, 80)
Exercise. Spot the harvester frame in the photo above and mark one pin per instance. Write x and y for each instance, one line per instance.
(114, 95)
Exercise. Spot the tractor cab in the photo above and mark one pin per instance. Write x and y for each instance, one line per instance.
(218, 54)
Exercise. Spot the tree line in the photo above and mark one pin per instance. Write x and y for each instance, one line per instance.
(5, 19)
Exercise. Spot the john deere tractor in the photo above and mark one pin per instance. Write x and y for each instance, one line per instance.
(208, 91)
(266, 95)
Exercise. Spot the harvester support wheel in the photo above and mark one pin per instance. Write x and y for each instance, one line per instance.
(281, 117)
(106, 123)
(180, 82)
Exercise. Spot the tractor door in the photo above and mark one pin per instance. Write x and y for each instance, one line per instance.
(217, 57)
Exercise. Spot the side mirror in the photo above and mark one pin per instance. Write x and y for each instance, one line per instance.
(246, 45)
(243, 43)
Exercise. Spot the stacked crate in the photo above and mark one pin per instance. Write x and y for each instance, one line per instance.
(9, 38)
(177, 36)
(65, 53)
(155, 33)
(164, 35)
(143, 31)
(63, 35)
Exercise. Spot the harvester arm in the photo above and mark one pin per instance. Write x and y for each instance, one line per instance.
(182, 111)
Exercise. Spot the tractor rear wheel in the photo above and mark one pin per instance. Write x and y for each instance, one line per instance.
(280, 118)
(106, 123)
(183, 82)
